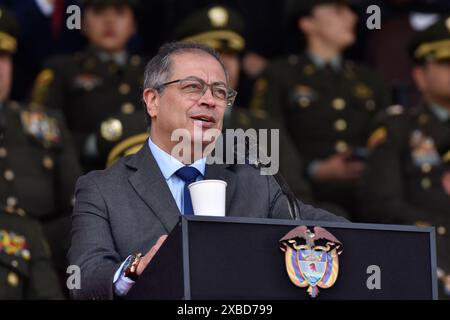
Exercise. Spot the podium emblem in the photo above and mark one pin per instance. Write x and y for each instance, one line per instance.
(312, 258)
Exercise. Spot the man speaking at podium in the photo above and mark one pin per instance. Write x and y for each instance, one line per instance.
(130, 207)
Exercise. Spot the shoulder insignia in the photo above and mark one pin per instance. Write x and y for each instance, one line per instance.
(14, 244)
(128, 146)
(377, 137)
(41, 85)
(40, 126)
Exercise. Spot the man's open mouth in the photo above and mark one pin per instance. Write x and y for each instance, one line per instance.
(206, 120)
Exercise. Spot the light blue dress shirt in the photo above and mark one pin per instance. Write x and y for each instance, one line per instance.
(168, 166)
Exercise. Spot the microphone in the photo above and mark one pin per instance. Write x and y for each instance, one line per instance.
(242, 155)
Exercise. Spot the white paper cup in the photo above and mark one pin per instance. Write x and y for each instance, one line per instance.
(208, 197)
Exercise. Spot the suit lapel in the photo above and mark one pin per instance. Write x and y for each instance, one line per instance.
(222, 172)
(150, 185)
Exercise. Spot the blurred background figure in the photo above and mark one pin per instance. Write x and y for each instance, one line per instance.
(408, 174)
(42, 33)
(38, 166)
(325, 101)
(385, 48)
(97, 82)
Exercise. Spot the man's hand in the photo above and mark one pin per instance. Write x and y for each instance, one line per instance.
(149, 256)
(339, 167)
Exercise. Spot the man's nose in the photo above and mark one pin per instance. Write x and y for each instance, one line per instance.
(207, 99)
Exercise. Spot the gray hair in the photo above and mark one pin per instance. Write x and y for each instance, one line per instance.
(158, 68)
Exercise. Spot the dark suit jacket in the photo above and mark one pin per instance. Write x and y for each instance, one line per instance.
(126, 208)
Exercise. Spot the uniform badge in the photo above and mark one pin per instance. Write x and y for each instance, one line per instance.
(87, 81)
(303, 95)
(14, 244)
(423, 149)
(362, 91)
(218, 16)
(312, 258)
(40, 126)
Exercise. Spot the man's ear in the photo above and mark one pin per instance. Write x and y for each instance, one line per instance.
(151, 99)
(304, 24)
(418, 74)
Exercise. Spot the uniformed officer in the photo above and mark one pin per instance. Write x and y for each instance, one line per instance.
(38, 162)
(26, 270)
(325, 101)
(407, 178)
(98, 82)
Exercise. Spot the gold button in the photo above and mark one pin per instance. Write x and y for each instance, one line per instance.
(11, 201)
(340, 125)
(127, 108)
(370, 105)
(341, 146)
(13, 279)
(339, 104)
(3, 152)
(21, 212)
(441, 230)
(426, 183)
(113, 68)
(26, 254)
(426, 168)
(309, 70)
(304, 102)
(9, 175)
(124, 88)
(48, 162)
(111, 129)
(135, 60)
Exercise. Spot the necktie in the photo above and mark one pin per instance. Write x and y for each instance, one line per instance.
(188, 175)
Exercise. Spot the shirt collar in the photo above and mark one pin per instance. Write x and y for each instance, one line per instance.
(168, 164)
(443, 114)
(120, 57)
(336, 62)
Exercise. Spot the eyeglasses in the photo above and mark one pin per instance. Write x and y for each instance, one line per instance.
(195, 88)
